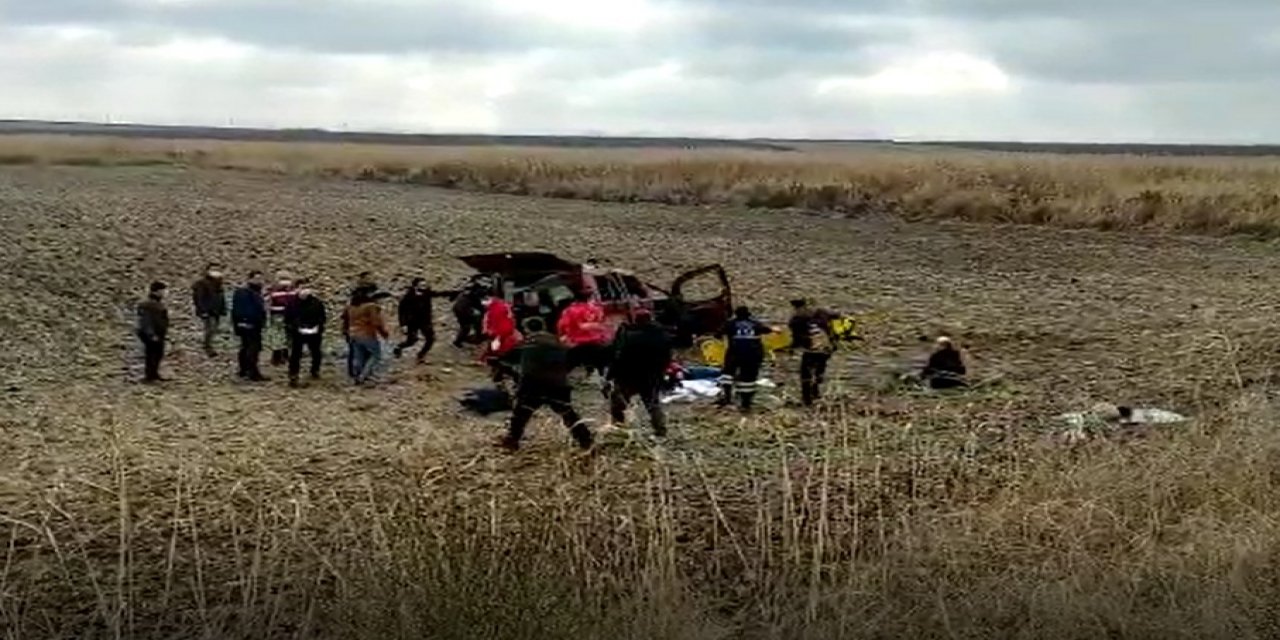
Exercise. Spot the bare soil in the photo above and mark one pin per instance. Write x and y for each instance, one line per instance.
(1056, 320)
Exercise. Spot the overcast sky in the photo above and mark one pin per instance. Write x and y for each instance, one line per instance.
(1075, 70)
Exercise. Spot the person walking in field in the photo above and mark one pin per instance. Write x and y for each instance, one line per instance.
(279, 296)
(249, 317)
(365, 286)
(811, 335)
(153, 331)
(366, 329)
(743, 359)
(417, 318)
(304, 320)
(543, 381)
(210, 302)
(642, 356)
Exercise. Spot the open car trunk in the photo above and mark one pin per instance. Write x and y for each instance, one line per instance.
(699, 302)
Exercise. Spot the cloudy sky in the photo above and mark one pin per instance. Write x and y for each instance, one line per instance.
(1076, 70)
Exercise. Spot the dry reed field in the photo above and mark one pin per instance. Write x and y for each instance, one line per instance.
(206, 508)
(1185, 194)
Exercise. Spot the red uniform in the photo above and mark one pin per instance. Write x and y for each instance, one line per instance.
(582, 323)
(500, 327)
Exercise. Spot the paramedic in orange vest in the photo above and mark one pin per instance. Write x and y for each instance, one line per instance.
(582, 328)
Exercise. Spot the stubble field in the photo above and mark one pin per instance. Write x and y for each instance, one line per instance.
(209, 508)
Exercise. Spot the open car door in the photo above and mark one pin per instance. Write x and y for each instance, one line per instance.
(700, 302)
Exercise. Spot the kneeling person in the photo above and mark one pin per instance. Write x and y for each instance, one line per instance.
(543, 381)
(304, 320)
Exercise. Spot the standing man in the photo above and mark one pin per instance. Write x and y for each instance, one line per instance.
(742, 359)
(279, 296)
(304, 321)
(366, 330)
(642, 354)
(364, 287)
(468, 310)
(543, 382)
(811, 335)
(249, 315)
(582, 329)
(417, 318)
(210, 304)
(153, 330)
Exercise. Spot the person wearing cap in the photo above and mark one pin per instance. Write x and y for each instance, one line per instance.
(304, 321)
(210, 302)
(642, 355)
(811, 335)
(543, 381)
(249, 318)
(743, 358)
(153, 330)
(945, 368)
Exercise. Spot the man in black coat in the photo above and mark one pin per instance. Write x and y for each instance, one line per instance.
(945, 369)
(210, 303)
(642, 353)
(153, 330)
(249, 316)
(304, 320)
(417, 318)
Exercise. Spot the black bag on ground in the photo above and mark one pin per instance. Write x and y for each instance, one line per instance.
(485, 401)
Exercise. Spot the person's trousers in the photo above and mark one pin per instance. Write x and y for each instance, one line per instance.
(411, 338)
(210, 325)
(813, 373)
(250, 349)
(739, 376)
(311, 343)
(152, 355)
(366, 356)
(468, 330)
(530, 398)
(592, 357)
(649, 395)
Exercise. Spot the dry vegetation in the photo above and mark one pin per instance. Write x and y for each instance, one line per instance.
(1200, 195)
(213, 510)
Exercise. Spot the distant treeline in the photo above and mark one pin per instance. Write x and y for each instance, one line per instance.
(1109, 148)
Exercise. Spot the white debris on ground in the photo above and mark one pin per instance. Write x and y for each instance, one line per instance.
(695, 390)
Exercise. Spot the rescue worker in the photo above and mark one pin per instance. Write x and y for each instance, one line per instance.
(366, 329)
(543, 381)
(641, 360)
(279, 296)
(304, 321)
(811, 335)
(417, 318)
(945, 369)
(153, 330)
(743, 358)
(582, 328)
(499, 327)
(249, 317)
(210, 302)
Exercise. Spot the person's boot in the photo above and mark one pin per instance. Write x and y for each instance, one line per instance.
(293, 382)
(507, 443)
(726, 395)
(745, 401)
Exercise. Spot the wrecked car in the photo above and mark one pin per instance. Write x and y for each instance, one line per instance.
(698, 302)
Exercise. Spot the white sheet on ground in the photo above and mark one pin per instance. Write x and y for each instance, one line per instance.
(694, 390)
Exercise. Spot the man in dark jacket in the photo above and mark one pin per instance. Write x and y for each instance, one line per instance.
(210, 303)
(468, 311)
(743, 358)
(418, 318)
(543, 381)
(153, 330)
(249, 316)
(642, 353)
(811, 335)
(304, 321)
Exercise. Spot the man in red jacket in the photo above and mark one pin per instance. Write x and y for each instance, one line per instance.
(499, 326)
(582, 328)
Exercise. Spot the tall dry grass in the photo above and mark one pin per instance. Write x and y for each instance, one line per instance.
(1199, 195)
(872, 529)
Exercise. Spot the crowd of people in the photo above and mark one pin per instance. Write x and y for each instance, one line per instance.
(533, 353)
